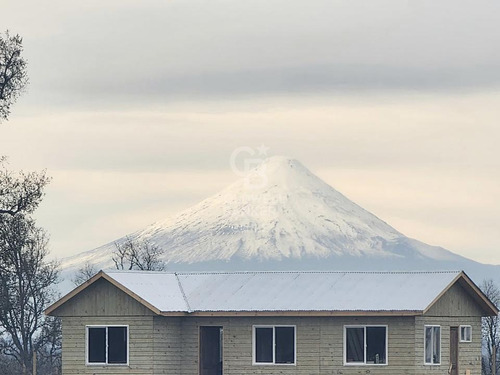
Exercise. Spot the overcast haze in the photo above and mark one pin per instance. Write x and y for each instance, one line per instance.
(134, 108)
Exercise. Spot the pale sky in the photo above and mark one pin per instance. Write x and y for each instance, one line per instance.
(135, 107)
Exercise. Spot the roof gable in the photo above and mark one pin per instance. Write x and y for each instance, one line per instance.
(57, 307)
(462, 298)
(102, 298)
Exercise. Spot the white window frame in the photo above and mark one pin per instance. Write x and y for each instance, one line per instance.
(273, 363)
(432, 341)
(470, 333)
(87, 363)
(364, 326)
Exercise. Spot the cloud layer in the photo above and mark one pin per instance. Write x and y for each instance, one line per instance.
(135, 107)
(108, 54)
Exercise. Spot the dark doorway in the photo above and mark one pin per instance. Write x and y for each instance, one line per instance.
(211, 350)
(453, 351)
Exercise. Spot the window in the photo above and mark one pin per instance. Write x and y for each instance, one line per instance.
(274, 345)
(465, 333)
(432, 345)
(107, 345)
(365, 345)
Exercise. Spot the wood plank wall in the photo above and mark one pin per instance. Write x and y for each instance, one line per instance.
(319, 345)
(140, 345)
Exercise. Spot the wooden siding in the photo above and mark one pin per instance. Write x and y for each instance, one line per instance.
(167, 346)
(102, 299)
(319, 345)
(469, 353)
(455, 302)
(163, 345)
(140, 345)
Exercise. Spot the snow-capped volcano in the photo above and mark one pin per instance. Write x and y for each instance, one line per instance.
(279, 215)
(280, 210)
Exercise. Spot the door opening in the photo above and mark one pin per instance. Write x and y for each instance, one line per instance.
(211, 339)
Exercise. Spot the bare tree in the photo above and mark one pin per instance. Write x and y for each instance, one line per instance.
(13, 74)
(84, 273)
(135, 254)
(26, 286)
(48, 355)
(20, 193)
(491, 334)
(26, 277)
(50, 349)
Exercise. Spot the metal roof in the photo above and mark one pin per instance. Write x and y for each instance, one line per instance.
(161, 290)
(286, 291)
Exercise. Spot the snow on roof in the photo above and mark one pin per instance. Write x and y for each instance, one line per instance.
(160, 289)
(286, 291)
